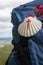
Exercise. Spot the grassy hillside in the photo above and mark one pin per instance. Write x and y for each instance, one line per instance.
(5, 51)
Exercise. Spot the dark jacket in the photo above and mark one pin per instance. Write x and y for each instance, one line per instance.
(34, 48)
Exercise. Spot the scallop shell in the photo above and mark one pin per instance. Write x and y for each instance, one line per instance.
(31, 28)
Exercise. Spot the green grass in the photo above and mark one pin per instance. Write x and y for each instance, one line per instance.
(5, 52)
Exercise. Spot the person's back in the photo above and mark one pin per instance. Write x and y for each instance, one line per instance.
(33, 49)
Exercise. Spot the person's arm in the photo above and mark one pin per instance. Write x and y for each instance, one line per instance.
(15, 22)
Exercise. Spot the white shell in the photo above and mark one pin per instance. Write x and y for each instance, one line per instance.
(34, 26)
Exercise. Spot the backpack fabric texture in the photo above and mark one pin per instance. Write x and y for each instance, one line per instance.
(34, 49)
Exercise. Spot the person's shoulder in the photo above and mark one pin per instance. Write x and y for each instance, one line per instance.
(17, 9)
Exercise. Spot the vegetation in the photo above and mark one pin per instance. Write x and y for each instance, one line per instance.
(5, 51)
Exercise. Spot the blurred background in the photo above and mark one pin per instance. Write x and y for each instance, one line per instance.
(6, 26)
